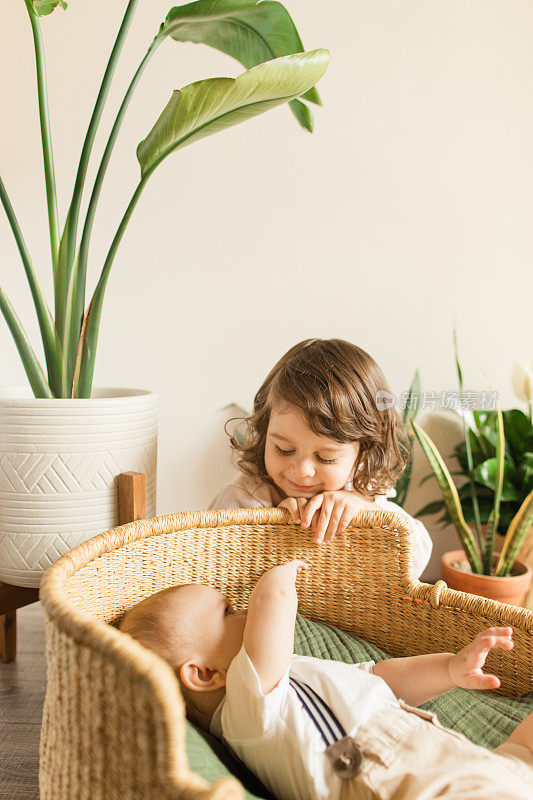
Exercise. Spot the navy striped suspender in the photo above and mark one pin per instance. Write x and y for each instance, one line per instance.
(342, 750)
(320, 713)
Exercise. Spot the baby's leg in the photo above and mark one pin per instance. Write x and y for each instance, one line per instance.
(523, 733)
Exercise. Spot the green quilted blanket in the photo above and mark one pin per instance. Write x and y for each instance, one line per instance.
(485, 718)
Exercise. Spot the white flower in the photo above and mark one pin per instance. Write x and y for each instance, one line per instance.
(522, 380)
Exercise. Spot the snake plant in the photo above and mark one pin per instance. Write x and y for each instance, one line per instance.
(496, 458)
(259, 35)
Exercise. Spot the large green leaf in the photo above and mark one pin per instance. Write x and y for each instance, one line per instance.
(518, 432)
(44, 7)
(198, 110)
(246, 30)
(487, 475)
(206, 107)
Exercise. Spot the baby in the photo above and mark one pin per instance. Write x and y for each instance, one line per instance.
(311, 728)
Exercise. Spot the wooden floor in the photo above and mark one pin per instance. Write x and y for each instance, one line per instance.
(22, 688)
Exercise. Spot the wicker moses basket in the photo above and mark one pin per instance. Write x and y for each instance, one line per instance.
(113, 721)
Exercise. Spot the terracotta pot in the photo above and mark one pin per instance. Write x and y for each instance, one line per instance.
(525, 554)
(511, 589)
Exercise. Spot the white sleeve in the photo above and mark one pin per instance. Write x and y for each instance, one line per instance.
(423, 543)
(249, 713)
(234, 496)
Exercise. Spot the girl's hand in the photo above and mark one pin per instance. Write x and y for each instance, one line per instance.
(466, 666)
(331, 513)
(295, 505)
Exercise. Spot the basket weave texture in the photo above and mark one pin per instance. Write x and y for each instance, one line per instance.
(114, 719)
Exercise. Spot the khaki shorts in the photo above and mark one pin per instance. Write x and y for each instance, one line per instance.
(409, 755)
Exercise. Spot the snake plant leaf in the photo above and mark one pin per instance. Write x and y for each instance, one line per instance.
(467, 425)
(494, 519)
(515, 535)
(410, 411)
(450, 496)
(208, 106)
(33, 369)
(44, 7)
(249, 31)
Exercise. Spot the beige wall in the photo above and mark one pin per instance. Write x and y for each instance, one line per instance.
(409, 206)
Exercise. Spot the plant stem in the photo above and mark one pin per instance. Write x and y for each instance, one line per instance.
(51, 346)
(46, 137)
(85, 359)
(91, 210)
(76, 307)
(71, 226)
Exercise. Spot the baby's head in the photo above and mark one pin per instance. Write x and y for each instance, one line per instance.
(195, 629)
(322, 399)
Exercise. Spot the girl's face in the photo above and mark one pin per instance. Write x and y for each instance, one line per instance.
(301, 463)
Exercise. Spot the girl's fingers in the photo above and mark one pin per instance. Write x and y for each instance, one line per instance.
(343, 522)
(323, 522)
(312, 506)
(334, 523)
(302, 502)
(291, 504)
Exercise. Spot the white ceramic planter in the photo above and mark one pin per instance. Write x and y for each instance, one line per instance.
(58, 465)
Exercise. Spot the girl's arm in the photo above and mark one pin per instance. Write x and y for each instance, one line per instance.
(420, 678)
(269, 631)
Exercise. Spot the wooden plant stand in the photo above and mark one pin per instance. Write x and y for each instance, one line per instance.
(131, 506)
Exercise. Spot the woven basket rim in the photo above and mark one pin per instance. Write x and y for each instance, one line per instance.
(392, 522)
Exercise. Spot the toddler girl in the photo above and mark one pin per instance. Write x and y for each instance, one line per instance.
(318, 444)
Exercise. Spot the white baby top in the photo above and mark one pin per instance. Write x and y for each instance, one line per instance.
(248, 492)
(274, 736)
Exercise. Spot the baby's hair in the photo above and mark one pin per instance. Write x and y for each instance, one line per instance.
(334, 385)
(161, 623)
(153, 623)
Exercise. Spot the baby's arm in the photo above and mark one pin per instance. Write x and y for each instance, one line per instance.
(420, 678)
(269, 631)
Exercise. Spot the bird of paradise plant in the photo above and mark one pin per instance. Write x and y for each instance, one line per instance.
(264, 39)
(478, 540)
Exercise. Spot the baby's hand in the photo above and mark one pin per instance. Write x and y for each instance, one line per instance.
(295, 566)
(337, 510)
(466, 666)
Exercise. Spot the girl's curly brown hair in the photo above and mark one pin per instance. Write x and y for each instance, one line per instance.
(335, 386)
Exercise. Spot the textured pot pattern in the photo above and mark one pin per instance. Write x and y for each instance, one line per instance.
(511, 589)
(59, 460)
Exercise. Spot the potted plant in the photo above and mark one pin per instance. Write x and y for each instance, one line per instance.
(61, 449)
(497, 497)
